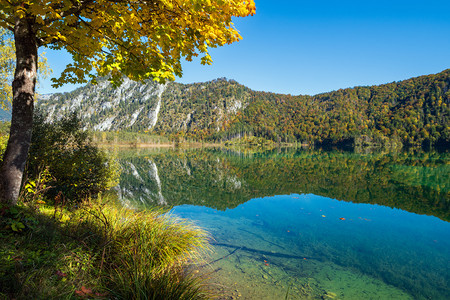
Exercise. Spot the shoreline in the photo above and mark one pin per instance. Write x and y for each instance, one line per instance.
(163, 145)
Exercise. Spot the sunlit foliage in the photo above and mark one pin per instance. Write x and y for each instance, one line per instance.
(139, 39)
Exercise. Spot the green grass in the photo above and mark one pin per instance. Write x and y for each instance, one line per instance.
(99, 251)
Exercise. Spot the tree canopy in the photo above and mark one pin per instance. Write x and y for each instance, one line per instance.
(140, 39)
(7, 56)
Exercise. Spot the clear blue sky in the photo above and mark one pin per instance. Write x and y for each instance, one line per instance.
(309, 47)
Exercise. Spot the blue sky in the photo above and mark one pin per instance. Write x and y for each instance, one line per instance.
(309, 47)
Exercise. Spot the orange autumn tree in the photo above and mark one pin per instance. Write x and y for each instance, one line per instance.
(140, 39)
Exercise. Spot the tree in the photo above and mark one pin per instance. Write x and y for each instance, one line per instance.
(6, 67)
(140, 39)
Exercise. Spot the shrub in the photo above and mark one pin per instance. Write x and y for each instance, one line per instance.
(74, 166)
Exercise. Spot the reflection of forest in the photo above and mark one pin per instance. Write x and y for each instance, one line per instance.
(417, 183)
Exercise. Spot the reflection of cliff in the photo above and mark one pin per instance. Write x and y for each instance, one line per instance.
(140, 182)
(196, 178)
(224, 180)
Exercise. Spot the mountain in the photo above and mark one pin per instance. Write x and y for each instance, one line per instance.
(5, 115)
(150, 106)
(412, 112)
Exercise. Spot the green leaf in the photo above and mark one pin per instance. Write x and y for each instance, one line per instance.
(17, 226)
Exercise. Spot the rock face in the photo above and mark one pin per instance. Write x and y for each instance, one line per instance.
(5, 115)
(151, 106)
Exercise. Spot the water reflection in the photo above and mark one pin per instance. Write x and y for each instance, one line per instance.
(303, 243)
(416, 183)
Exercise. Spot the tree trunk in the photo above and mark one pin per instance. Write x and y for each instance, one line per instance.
(23, 86)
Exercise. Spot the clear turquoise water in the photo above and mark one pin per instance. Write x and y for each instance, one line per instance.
(298, 241)
(407, 254)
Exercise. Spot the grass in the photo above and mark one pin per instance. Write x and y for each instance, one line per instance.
(99, 251)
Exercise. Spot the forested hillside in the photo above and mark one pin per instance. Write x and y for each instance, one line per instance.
(412, 112)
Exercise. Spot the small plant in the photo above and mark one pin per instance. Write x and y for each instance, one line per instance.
(35, 189)
(16, 218)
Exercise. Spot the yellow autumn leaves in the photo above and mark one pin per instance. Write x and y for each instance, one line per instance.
(145, 39)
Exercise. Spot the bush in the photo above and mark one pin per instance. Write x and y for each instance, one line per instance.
(63, 160)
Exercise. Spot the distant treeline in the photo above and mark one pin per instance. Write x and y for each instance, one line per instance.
(125, 137)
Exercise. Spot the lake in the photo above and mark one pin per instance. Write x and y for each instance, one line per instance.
(295, 224)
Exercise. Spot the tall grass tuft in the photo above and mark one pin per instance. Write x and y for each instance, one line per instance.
(100, 251)
(143, 255)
